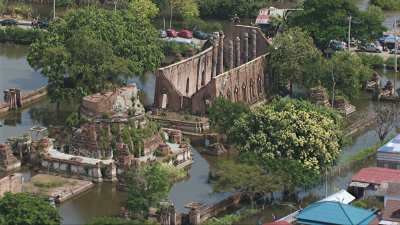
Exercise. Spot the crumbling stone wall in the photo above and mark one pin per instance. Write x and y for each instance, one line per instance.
(233, 67)
(11, 183)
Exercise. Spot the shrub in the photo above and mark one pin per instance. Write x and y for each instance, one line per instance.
(371, 60)
(387, 4)
(19, 35)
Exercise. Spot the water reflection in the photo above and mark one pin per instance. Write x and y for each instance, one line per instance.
(15, 71)
(196, 188)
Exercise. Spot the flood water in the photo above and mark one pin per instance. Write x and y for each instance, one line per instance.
(15, 71)
(105, 199)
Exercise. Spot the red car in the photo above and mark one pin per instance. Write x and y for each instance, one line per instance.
(185, 34)
(171, 33)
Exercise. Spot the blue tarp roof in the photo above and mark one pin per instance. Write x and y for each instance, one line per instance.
(393, 146)
(334, 213)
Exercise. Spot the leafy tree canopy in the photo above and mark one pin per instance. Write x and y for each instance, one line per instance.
(25, 209)
(92, 49)
(349, 73)
(295, 59)
(290, 129)
(248, 179)
(119, 221)
(225, 9)
(327, 20)
(146, 188)
(223, 113)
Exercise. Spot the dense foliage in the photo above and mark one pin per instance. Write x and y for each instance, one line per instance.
(225, 9)
(223, 113)
(146, 188)
(349, 72)
(327, 20)
(25, 209)
(93, 49)
(290, 129)
(119, 221)
(250, 180)
(19, 35)
(387, 4)
(295, 59)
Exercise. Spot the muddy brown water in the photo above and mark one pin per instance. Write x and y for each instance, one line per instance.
(105, 199)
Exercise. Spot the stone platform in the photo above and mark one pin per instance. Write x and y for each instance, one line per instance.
(56, 187)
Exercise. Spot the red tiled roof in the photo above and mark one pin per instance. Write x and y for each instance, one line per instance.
(278, 223)
(377, 175)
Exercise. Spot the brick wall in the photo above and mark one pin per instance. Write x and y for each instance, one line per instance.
(11, 183)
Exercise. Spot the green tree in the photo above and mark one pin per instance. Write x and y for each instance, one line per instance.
(225, 9)
(292, 130)
(250, 180)
(349, 72)
(147, 186)
(387, 4)
(92, 49)
(295, 59)
(25, 209)
(223, 113)
(327, 20)
(119, 221)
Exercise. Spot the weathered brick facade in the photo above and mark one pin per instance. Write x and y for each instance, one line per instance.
(235, 71)
(11, 183)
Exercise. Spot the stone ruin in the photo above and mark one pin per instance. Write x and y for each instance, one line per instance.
(121, 103)
(174, 152)
(8, 161)
(109, 113)
(319, 96)
(13, 98)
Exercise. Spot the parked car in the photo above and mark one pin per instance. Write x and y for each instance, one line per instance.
(8, 22)
(201, 35)
(43, 24)
(393, 51)
(337, 45)
(185, 34)
(172, 33)
(163, 34)
(371, 47)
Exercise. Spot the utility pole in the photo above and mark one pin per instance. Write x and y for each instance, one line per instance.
(396, 46)
(349, 35)
(333, 88)
(54, 9)
(115, 5)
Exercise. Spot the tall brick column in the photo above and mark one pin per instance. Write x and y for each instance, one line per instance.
(253, 44)
(214, 57)
(237, 45)
(221, 53)
(231, 55)
(246, 47)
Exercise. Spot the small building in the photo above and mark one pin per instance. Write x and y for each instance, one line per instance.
(334, 213)
(373, 181)
(388, 156)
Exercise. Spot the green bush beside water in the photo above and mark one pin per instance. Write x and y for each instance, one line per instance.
(18, 35)
(371, 60)
(387, 4)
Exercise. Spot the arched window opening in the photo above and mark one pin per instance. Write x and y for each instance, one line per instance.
(187, 86)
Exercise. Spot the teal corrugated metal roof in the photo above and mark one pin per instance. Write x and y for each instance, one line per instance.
(335, 213)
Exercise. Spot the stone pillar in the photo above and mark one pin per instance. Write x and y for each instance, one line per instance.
(221, 53)
(231, 55)
(237, 45)
(246, 47)
(214, 57)
(253, 44)
(18, 98)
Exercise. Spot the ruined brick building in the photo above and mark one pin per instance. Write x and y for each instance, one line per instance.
(233, 67)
